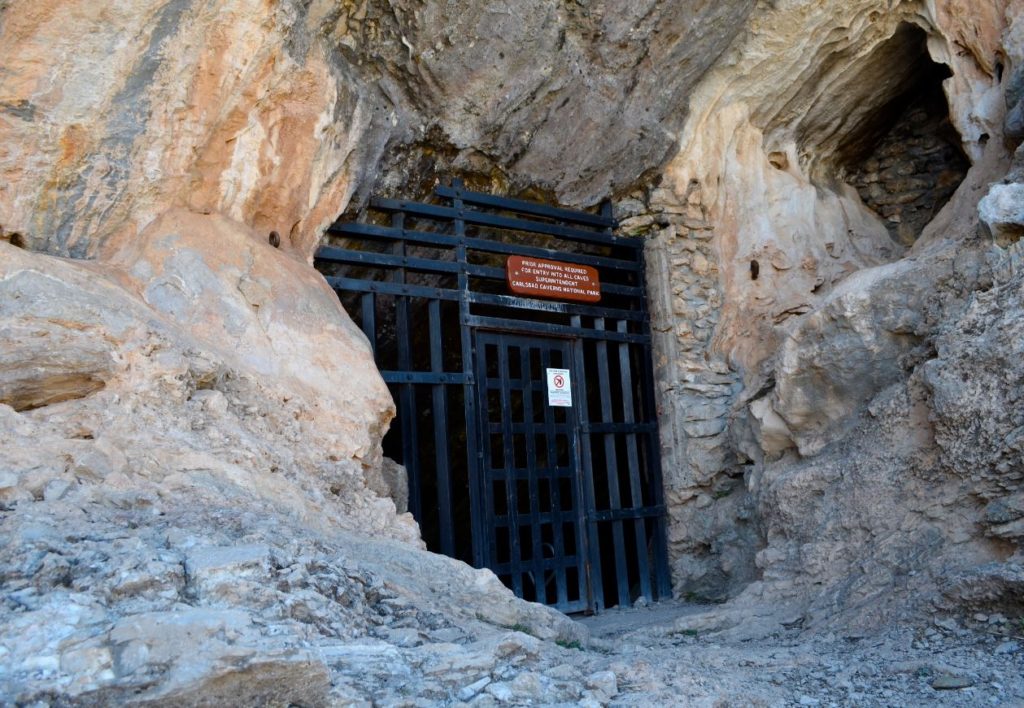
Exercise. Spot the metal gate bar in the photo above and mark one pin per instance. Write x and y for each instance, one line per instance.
(633, 458)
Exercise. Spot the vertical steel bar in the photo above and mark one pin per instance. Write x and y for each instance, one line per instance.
(528, 376)
(510, 473)
(486, 543)
(575, 469)
(407, 391)
(611, 462)
(558, 504)
(441, 431)
(636, 492)
(591, 553)
(369, 307)
(475, 465)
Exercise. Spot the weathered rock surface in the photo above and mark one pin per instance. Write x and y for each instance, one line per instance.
(184, 532)
(170, 103)
(803, 322)
(1002, 213)
(150, 600)
(275, 115)
(206, 375)
(565, 96)
(192, 492)
(865, 336)
(975, 385)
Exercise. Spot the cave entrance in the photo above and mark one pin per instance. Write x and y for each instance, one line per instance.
(526, 418)
(906, 158)
(883, 126)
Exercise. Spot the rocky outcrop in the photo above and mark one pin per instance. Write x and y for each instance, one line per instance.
(188, 510)
(192, 424)
(275, 115)
(193, 366)
(568, 97)
(821, 309)
(157, 598)
(974, 383)
(915, 506)
(868, 334)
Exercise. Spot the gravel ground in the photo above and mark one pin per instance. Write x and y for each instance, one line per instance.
(977, 661)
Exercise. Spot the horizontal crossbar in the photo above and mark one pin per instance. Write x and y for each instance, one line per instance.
(616, 428)
(554, 330)
(646, 512)
(479, 244)
(424, 377)
(385, 288)
(566, 308)
(524, 207)
(473, 216)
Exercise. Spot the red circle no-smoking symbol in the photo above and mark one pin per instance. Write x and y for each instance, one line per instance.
(559, 381)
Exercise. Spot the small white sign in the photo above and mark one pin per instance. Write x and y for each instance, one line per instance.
(559, 388)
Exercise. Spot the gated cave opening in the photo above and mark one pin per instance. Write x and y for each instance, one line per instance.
(561, 499)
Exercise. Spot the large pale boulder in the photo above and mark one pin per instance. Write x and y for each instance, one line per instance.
(866, 336)
(193, 362)
(262, 312)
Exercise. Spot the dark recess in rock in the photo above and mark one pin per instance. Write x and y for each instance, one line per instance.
(906, 160)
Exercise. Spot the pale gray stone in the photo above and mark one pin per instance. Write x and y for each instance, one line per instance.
(1002, 211)
(604, 681)
(474, 688)
(501, 691)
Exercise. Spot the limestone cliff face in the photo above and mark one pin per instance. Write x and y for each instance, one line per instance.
(165, 370)
(803, 317)
(274, 113)
(832, 209)
(115, 113)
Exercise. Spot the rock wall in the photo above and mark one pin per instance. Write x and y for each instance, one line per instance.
(192, 424)
(224, 107)
(831, 483)
(192, 471)
(914, 170)
(710, 552)
(273, 114)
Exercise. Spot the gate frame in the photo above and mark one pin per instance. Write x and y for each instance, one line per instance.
(627, 327)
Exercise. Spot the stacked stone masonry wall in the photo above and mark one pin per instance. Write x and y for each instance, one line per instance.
(914, 170)
(696, 391)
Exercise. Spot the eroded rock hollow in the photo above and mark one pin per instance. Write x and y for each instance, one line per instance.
(193, 495)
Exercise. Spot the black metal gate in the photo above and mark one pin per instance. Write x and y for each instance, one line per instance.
(531, 472)
(563, 502)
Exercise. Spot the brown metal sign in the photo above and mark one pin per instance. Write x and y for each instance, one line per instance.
(562, 281)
